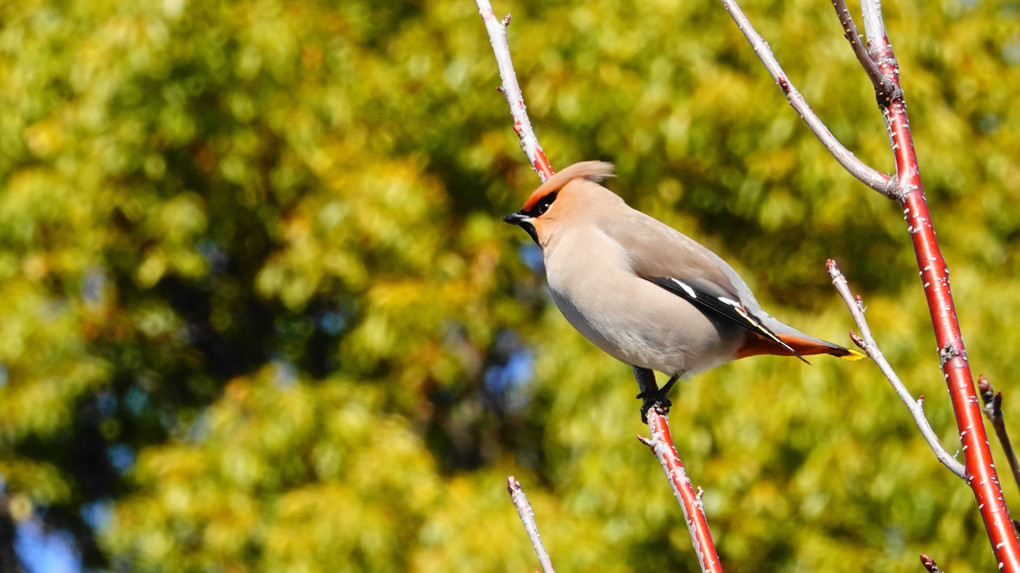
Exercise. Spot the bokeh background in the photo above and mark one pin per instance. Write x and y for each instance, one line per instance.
(258, 311)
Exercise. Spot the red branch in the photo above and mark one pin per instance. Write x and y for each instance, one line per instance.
(661, 444)
(981, 474)
(511, 90)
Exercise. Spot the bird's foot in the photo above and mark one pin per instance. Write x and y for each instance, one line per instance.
(658, 397)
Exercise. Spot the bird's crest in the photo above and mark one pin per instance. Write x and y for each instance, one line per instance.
(594, 171)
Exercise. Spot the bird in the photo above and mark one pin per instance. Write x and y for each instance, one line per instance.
(645, 293)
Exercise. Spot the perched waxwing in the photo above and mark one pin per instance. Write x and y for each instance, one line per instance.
(643, 292)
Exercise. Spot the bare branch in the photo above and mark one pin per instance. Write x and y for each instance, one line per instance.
(511, 90)
(982, 476)
(874, 24)
(867, 343)
(871, 177)
(661, 444)
(993, 410)
(907, 190)
(528, 519)
(886, 90)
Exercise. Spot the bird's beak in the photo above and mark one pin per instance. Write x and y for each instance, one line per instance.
(523, 221)
(516, 218)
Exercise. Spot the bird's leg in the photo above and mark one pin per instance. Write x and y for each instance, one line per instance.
(651, 393)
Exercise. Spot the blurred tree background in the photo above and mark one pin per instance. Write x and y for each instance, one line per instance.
(258, 310)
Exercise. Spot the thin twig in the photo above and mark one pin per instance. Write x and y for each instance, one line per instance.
(866, 174)
(993, 409)
(512, 90)
(886, 90)
(930, 564)
(867, 343)
(528, 519)
(661, 443)
(981, 474)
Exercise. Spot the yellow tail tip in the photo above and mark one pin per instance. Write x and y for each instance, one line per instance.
(852, 355)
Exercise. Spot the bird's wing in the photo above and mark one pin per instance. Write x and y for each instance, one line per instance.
(721, 307)
(680, 265)
(656, 249)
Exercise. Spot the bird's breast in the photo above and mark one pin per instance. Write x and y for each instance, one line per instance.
(630, 318)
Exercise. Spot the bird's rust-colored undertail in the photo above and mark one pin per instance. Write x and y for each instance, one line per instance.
(757, 345)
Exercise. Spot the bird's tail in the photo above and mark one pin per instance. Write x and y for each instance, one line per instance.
(802, 346)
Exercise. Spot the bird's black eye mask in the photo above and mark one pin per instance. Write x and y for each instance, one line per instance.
(523, 217)
(542, 206)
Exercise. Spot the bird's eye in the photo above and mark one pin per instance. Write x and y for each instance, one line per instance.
(544, 204)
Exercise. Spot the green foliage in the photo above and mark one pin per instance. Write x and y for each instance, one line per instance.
(256, 291)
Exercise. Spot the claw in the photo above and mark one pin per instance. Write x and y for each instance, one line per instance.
(658, 397)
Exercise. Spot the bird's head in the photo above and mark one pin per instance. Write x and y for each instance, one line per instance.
(564, 198)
